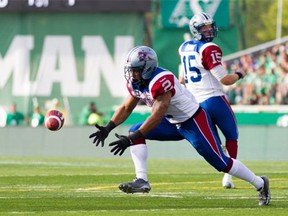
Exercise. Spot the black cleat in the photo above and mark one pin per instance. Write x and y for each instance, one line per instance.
(264, 193)
(138, 185)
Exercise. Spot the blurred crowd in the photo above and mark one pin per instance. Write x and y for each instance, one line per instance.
(266, 82)
(11, 116)
(90, 115)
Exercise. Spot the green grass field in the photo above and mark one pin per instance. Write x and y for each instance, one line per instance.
(67, 186)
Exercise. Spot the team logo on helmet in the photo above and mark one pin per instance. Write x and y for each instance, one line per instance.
(143, 56)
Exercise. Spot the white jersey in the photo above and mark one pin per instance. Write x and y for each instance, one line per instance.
(197, 59)
(182, 105)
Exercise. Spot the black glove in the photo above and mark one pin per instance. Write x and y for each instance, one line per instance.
(124, 142)
(121, 144)
(102, 133)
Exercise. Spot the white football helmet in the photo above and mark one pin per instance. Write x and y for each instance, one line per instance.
(143, 58)
(199, 20)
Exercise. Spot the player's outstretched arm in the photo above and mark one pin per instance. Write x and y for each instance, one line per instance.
(124, 111)
(120, 115)
(159, 108)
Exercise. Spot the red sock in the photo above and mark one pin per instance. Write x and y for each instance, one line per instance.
(232, 148)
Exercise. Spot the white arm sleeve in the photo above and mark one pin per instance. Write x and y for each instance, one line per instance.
(218, 72)
(180, 71)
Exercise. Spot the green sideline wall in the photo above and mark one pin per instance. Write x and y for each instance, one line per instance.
(255, 143)
(266, 118)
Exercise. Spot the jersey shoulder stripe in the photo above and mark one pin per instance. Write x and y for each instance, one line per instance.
(209, 45)
(162, 81)
(191, 46)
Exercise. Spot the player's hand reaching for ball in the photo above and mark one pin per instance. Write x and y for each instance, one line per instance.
(120, 145)
(100, 135)
(123, 142)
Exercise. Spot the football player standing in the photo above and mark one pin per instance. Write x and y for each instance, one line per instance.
(203, 75)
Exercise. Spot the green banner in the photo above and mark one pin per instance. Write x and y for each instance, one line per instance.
(72, 58)
(177, 13)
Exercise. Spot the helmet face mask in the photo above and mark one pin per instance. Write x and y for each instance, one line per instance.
(143, 60)
(197, 28)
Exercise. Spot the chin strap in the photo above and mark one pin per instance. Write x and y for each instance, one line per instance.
(141, 83)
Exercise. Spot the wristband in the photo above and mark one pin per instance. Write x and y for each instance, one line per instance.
(240, 75)
(136, 135)
(110, 126)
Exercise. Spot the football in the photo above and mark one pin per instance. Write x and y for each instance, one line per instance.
(54, 120)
